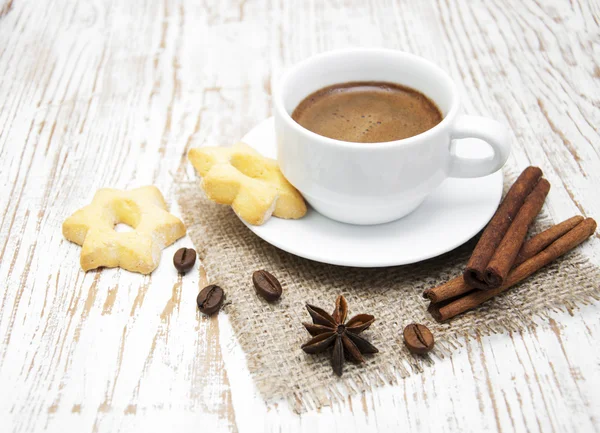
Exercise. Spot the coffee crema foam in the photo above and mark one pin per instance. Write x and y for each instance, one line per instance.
(367, 112)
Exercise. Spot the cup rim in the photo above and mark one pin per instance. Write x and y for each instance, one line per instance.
(287, 118)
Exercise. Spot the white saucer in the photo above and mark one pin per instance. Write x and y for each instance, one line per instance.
(449, 217)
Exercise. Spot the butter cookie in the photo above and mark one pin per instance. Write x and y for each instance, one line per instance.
(252, 184)
(144, 209)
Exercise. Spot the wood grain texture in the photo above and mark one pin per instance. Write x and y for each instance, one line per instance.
(98, 93)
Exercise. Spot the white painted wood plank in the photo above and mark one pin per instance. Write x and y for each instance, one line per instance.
(106, 93)
(523, 372)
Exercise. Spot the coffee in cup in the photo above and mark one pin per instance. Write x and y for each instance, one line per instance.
(367, 112)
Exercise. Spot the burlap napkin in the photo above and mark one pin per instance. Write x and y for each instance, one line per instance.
(271, 334)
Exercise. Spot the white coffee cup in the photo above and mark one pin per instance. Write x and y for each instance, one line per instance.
(373, 183)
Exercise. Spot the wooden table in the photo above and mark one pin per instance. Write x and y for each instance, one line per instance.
(113, 93)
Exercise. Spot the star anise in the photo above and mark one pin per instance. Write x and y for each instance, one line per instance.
(330, 330)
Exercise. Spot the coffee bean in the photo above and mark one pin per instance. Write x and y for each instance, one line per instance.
(418, 338)
(184, 259)
(266, 285)
(210, 299)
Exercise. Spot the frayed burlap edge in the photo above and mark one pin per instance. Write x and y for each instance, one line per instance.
(271, 334)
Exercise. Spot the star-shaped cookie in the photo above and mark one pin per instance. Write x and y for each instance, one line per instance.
(252, 184)
(144, 209)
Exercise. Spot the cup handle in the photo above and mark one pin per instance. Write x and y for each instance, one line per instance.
(493, 133)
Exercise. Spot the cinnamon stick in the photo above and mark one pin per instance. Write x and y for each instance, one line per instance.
(496, 229)
(559, 247)
(504, 257)
(457, 286)
(540, 241)
(450, 289)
